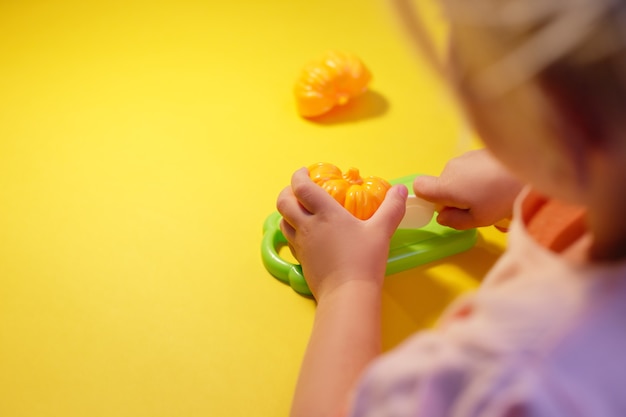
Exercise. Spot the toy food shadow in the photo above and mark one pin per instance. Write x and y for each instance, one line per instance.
(369, 105)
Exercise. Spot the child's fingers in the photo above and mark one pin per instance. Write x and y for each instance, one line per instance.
(288, 231)
(435, 190)
(311, 196)
(428, 187)
(290, 234)
(392, 208)
(459, 219)
(288, 206)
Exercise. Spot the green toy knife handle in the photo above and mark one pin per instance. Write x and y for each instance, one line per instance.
(273, 240)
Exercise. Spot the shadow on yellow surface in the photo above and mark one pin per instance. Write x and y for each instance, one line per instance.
(414, 299)
(370, 105)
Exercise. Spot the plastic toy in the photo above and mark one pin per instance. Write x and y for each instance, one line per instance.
(330, 81)
(410, 247)
(360, 196)
(418, 213)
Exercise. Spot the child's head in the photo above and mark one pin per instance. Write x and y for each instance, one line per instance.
(543, 82)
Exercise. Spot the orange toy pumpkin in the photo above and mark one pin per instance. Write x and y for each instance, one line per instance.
(331, 81)
(360, 196)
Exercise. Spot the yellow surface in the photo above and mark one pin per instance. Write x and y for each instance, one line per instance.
(142, 144)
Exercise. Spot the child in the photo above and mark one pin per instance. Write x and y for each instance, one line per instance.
(544, 85)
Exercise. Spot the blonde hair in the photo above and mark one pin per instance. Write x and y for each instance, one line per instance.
(580, 32)
(574, 50)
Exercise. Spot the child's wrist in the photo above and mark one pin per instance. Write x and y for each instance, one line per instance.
(362, 288)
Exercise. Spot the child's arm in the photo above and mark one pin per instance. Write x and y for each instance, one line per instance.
(343, 259)
(473, 190)
(344, 340)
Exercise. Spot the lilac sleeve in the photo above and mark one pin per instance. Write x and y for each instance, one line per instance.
(432, 377)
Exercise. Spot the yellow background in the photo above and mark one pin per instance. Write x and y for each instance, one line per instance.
(142, 144)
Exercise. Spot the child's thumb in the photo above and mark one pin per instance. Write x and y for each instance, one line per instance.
(393, 207)
(429, 188)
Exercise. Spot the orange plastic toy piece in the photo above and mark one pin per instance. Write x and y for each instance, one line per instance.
(331, 81)
(360, 196)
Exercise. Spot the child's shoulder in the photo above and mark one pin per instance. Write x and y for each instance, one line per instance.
(542, 333)
(533, 296)
(495, 355)
(533, 299)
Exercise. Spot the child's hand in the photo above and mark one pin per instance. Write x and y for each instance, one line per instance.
(473, 190)
(331, 244)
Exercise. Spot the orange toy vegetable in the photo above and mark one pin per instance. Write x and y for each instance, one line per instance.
(331, 81)
(360, 196)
